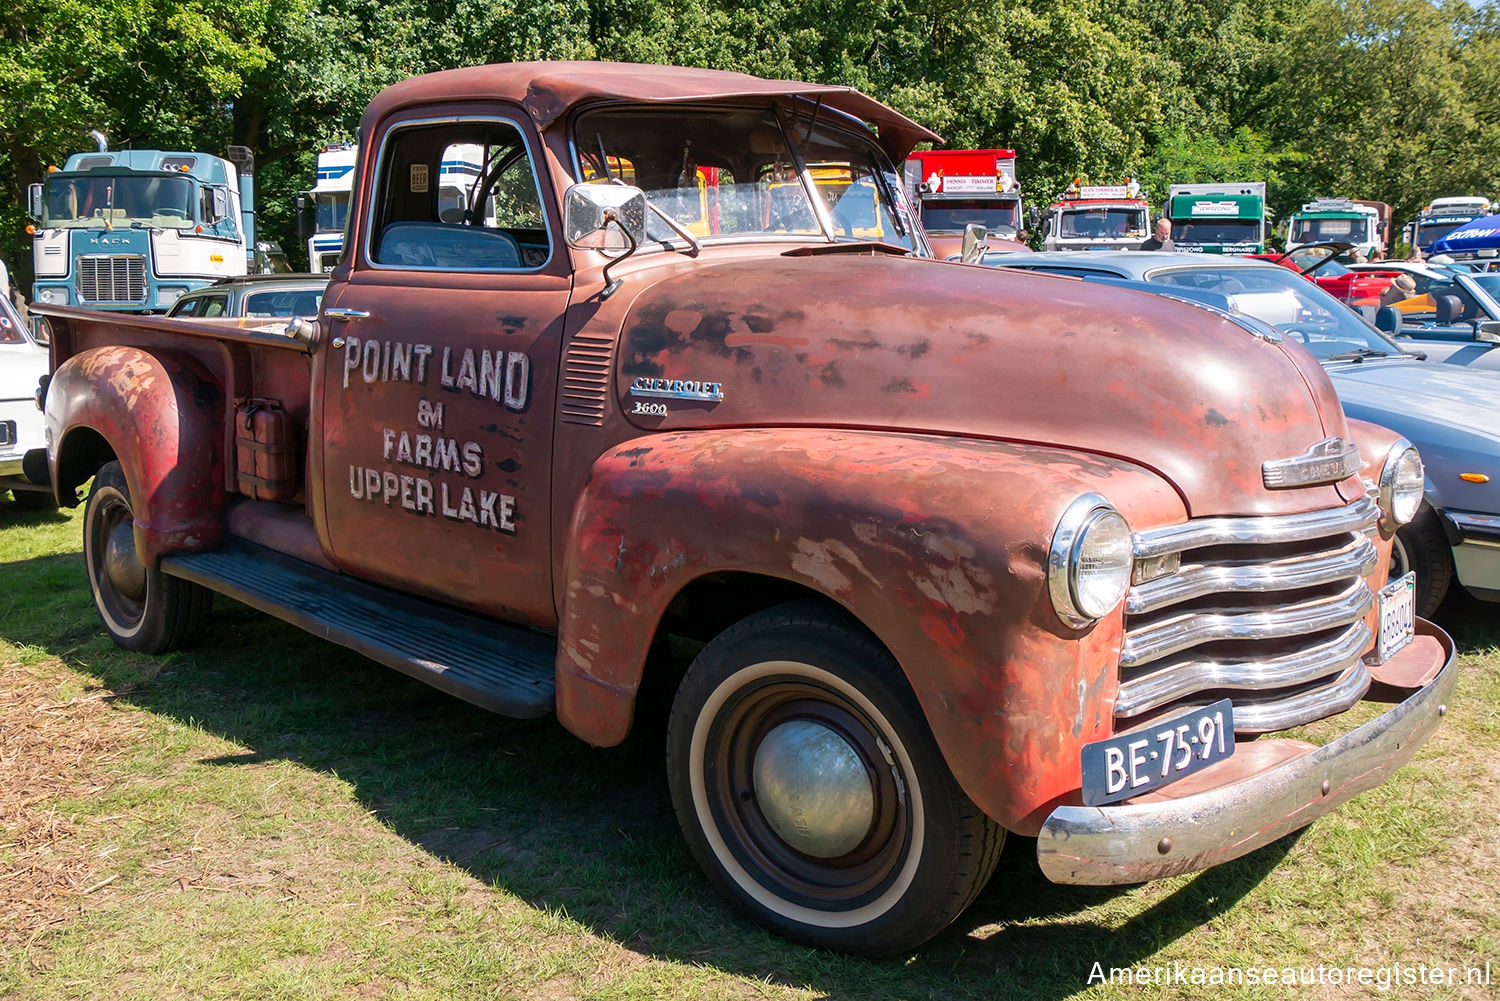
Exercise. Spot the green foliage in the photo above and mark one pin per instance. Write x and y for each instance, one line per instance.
(1391, 99)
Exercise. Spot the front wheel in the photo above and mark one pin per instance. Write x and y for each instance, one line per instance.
(142, 609)
(812, 792)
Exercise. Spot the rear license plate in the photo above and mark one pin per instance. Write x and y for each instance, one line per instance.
(1398, 604)
(1142, 760)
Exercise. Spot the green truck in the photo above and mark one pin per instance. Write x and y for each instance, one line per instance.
(1218, 218)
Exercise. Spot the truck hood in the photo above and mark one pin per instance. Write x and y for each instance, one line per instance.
(882, 342)
(1431, 404)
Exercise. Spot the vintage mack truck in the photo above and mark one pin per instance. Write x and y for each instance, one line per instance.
(968, 552)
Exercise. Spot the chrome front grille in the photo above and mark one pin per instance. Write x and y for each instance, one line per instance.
(1268, 611)
(112, 278)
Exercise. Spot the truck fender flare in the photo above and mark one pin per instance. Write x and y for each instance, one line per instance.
(937, 545)
(162, 415)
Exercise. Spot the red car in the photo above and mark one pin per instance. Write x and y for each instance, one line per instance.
(1317, 263)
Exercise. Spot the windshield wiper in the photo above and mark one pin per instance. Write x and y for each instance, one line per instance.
(1358, 355)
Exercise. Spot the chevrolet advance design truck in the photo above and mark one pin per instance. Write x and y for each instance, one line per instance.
(969, 552)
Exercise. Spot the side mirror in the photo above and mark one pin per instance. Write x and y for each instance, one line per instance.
(221, 204)
(1032, 216)
(610, 218)
(973, 246)
(1488, 332)
(41, 329)
(34, 201)
(304, 220)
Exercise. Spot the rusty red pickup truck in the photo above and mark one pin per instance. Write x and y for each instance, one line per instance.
(967, 552)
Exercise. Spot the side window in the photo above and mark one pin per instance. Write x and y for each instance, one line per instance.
(458, 196)
(214, 305)
(187, 307)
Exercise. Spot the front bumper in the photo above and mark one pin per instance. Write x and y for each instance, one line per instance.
(1250, 799)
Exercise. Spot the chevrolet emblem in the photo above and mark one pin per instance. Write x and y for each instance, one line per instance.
(1329, 461)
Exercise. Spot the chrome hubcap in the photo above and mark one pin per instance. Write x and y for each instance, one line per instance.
(121, 565)
(813, 789)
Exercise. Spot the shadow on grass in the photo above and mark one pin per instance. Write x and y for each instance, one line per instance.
(529, 808)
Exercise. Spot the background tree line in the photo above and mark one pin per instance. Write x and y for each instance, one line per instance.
(1391, 99)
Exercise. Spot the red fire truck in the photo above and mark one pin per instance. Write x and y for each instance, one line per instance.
(956, 187)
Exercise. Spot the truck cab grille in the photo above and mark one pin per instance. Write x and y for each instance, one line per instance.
(1267, 611)
(112, 278)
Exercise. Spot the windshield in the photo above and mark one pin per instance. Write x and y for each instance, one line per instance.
(1330, 230)
(333, 211)
(121, 200)
(1292, 304)
(1210, 231)
(953, 216)
(731, 173)
(284, 302)
(1490, 283)
(1101, 223)
(1432, 232)
(1307, 260)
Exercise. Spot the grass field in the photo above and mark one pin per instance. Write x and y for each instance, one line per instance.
(268, 816)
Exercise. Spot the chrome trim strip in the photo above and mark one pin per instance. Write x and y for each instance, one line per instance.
(1170, 683)
(1356, 558)
(1264, 529)
(1122, 843)
(1159, 639)
(1304, 707)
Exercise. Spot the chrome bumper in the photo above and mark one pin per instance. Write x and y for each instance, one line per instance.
(1133, 842)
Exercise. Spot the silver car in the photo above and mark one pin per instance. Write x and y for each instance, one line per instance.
(1450, 412)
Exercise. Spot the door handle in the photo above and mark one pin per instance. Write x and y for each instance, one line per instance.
(340, 313)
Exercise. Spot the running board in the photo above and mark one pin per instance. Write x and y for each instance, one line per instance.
(505, 669)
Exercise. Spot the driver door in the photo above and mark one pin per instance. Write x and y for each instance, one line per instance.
(438, 383)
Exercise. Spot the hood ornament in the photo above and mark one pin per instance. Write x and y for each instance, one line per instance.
(1329, 461)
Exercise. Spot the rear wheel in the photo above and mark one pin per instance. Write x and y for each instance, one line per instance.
(1421, 546)
(812, 792)
(142, 609)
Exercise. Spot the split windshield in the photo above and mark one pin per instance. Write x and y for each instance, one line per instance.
(734, 173)
(157, 201)
(1097, 223)
(1331, 231)
(1211, 231)
(952, 217)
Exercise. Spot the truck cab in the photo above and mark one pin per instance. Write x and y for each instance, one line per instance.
(957, 188)
(131, 230)
(1340, 220)
(1098, 217)
(1442, 216)
(947, 574)
(1218, 218)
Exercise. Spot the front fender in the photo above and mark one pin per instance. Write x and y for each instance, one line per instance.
(938, 545)
(162, 415)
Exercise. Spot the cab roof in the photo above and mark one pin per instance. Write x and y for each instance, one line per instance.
(547, 90)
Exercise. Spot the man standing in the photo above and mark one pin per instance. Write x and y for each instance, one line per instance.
(1161, 237)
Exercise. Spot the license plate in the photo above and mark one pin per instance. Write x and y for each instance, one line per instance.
(1398, 624)
(1142, 760)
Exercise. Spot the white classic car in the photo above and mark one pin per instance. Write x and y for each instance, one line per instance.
(23, 361)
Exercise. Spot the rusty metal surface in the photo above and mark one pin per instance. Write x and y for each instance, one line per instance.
(258, 331)
(923, 346)
(938, 546)
(164, 417)
(548, 90)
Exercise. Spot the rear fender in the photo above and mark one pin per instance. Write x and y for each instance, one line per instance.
(163, 417)
(938, 545)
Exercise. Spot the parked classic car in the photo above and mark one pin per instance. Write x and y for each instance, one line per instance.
(271, 295)
(1319, 263)
(22, 362)
(1451, 414)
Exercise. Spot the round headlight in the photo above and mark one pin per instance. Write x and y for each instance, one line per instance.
(50, 296)
(1401, 484)
(1090, 561)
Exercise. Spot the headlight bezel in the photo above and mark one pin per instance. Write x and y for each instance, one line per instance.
(1390, 476)
(1088, 513)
